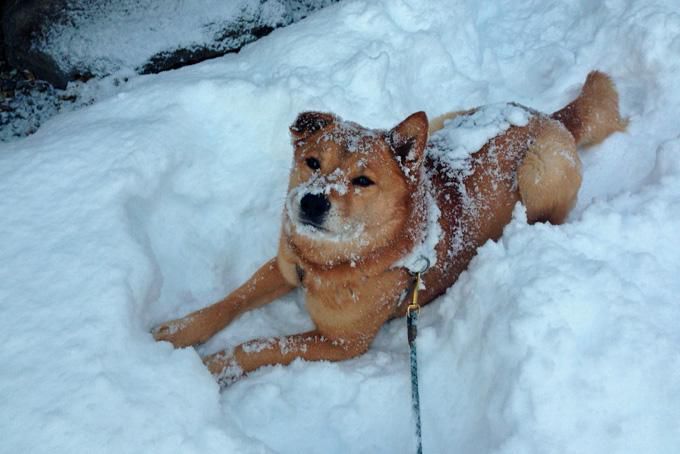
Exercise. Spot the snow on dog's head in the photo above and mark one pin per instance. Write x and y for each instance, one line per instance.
(351, 189)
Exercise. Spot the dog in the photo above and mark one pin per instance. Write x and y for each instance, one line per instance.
(364, 205)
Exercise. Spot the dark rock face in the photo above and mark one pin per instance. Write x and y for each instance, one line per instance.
(64, 40)
(240, 35)
(2, 35)
(22, 20)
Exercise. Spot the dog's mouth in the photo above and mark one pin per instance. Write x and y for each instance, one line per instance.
(308, 223)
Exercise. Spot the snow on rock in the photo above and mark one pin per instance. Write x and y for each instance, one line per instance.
(64, 40)
(159, 199)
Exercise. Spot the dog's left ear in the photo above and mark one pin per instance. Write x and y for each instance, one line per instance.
(408, 140)
(308, 123)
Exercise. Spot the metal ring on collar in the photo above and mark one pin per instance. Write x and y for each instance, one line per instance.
(426, 265)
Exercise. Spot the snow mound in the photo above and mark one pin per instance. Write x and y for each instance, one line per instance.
(158, 200)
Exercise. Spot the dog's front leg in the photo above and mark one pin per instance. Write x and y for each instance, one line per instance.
(264, 286)
(312, 346)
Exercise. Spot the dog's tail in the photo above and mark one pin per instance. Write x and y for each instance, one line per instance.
(594, 115)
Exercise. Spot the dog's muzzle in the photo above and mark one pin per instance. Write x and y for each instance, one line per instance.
(313, 209)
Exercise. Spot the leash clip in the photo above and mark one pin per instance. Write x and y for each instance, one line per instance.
(414, 306)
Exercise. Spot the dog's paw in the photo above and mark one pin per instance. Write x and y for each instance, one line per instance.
(224, 367)
(180, 332)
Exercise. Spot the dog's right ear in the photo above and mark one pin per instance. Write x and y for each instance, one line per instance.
(408, 140)
(308, 123)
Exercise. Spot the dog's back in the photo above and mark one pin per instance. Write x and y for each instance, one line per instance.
(533, 159)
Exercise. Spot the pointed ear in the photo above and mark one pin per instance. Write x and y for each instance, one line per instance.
(408, 140)
(308, 123)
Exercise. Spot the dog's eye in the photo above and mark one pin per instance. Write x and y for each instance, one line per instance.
(362, 181)
(313, 163)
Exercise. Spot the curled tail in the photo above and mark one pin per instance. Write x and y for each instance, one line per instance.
(594, 115)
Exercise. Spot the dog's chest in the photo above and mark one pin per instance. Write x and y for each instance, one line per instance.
(339, 307)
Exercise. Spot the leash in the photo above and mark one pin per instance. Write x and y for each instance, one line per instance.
(412, 312)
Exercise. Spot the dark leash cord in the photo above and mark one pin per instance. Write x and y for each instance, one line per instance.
(412, 332)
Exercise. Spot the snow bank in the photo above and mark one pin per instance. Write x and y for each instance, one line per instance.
(158, 200)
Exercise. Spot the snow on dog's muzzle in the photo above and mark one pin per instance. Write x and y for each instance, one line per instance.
(312, 213)
(309, 203)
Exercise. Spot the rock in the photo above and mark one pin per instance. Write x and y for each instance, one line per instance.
(2, 36)
(64, 40)
(240, 34)
(22, 21)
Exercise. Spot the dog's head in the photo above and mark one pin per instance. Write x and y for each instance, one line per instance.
(351, 189)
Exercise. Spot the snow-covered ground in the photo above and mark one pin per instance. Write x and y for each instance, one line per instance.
(158, 200)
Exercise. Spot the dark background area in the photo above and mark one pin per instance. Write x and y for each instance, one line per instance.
(34, 87)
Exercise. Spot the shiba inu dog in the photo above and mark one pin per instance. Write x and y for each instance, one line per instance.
(363, 204)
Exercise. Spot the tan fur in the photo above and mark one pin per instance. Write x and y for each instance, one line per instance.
(594, 114)
(550, 175)
(346, 265)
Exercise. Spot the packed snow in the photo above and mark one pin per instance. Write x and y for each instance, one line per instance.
(160, 199)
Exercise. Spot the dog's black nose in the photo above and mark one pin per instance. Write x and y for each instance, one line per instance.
(314, 207)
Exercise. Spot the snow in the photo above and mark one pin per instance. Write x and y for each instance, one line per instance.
(351, 134)
(424, 255)
(467, 133)
(164, 196)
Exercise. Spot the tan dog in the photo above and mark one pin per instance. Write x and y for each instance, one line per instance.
(362, 204)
